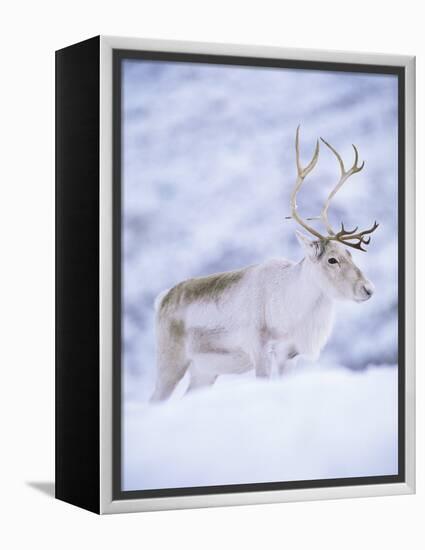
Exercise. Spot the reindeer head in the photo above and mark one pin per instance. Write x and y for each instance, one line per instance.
(333, 266)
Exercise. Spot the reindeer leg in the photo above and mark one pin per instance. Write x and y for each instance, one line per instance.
(287, 360)
(166, 383)
(198, 380)
(263, 365)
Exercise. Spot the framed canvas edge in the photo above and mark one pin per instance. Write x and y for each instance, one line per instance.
(107, 503)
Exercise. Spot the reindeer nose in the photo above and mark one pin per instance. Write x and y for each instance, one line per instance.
(368, 290)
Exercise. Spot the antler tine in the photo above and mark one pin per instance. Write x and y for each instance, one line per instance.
(297, 151)
(345, 174)
(335, 152)
(344, 236)
(302, 173)
(354, 168)
(349, 236)
(344, 231)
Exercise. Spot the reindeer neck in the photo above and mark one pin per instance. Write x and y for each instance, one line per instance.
(306, 281)
(303, 292)
(295, 293)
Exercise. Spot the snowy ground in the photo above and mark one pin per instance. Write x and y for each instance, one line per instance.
(310, 425)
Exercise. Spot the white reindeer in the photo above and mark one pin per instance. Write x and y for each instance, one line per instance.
(278, 310)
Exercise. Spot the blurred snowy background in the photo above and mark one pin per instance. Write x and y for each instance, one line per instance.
(208, 167)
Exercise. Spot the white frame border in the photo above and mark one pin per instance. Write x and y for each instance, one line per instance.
(107, 504)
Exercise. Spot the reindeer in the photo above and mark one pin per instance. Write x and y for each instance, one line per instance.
(275, 311)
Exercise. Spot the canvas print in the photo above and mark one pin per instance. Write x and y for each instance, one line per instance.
(259, 275)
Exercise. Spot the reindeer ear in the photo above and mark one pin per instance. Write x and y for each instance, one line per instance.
(310, 246)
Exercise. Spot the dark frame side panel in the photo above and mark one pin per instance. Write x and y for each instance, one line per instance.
(77, 275)
(118, 56)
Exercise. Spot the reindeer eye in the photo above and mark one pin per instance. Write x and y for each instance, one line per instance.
(333, 261)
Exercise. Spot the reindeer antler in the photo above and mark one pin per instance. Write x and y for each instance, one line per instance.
(343, 236)
(302, 173)
(345, 174)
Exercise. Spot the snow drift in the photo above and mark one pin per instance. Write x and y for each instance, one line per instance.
(312, 424)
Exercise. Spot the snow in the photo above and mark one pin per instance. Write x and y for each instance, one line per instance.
(313, 424)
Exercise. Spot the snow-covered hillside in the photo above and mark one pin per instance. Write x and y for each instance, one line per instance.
(310, 425)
